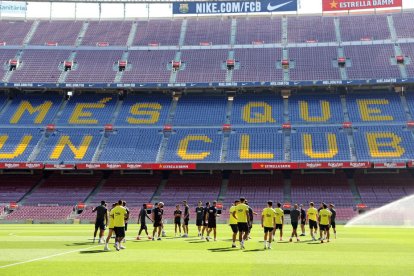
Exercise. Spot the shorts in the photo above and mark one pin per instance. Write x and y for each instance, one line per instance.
(294, 225)
(157, 224)
(126, 227)
(313, 224)
(119, 232)
(303, 221)
(279, 226)
(268, 229)
(143, 227)
(323, 227)
(205, 224)
(243, 227)
(199, 222)
(177, 221)
(186, 221)
(234, 228)
(211, 224)
(333, 224)
(100, 225)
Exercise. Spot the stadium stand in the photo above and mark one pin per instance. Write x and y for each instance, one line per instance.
(57, 32)
(132, 145)
(14, 32)
(313, 63)
(255, 109)
(257, 65)
(40, 213)
(311, 28)
(158, 32)
(202, 145)
(98, 32)
(40, 66)
(375, 108)
(148, 66)
(256, 144)
(70, 145)
(23, 107)
(408, 50)
(208, 30)
(203, 66)
(59, 189)
(364, 27)
(383, 143)
(259, 30)
(379, 189)
(315, 109)
(319, 144)
(17, 144)
(95, 66)
(403, 23)
(13, 188)
(5, 56)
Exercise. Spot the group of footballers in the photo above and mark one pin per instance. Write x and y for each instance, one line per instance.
(241, 217)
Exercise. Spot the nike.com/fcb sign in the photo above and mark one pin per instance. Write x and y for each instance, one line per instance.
(235, 7)
(345, 5)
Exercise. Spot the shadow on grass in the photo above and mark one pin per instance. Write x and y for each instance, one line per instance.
(93, 251)
(222, 249)
(80, 243)
(254, 250)
(197, 241)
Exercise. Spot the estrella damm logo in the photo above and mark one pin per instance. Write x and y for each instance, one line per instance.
(183, 8)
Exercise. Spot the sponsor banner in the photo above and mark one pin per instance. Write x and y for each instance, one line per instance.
(13, 166)
(390, 165)
(221, 7)
(274, 166)
(13, 8)
(411, 164)
(174, 166)
(59, 166)
(346, 5)
(334, 165)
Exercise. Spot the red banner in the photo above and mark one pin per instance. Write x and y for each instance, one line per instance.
(346, 5)
(334, 165)
(137, 166)
(411, 164)
(59, 166)
(274, 166)
(30, 166)
(174, 166)
(390, 165)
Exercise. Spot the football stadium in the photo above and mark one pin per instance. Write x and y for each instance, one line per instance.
(169, 137)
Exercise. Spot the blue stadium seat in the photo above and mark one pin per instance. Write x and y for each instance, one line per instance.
(188, 145)
(315, 109)
(70, 145)
(18, 143)
(378, 107)
(383, 143)
(88, 109)
(200, 110)
(28, 109)
(132, 145)
(257, 110)
(319, 144)
(256, 144)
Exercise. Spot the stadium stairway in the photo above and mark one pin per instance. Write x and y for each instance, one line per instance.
(393, 32)
(342, 70)
(337, 30)
(406, 108)
(31, 32)
(183, 31)
(173, 75)
(233, 32)
(9, 74)
(96, 189)
(158, 192)
(284, 31)
(286, 72)
(223, 188)
(354, 190)
(287, 188)
(401, 67)
(81, 34)
(37, 185)
(132, 34)
(120, 74)
(64, 74)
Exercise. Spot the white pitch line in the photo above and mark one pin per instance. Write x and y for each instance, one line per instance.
(48, 257)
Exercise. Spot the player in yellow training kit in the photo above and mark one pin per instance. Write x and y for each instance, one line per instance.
(233, 222)
(312, 218)
(279, 220)
(242, 211)
(268, 224)
(324, 222)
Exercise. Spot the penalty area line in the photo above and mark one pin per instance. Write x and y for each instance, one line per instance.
(48, 257)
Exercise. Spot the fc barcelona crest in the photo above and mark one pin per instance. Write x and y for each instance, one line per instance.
(184, 8)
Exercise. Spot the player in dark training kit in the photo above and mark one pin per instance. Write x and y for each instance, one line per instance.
(205, 223)
(186, 218)
(200, 215)
(177, 219)
(333, 217)
(294, 220)
(127, 217)
(302, 220)
(157, 220)
(212, 221)
(141, 219)
(101, 221)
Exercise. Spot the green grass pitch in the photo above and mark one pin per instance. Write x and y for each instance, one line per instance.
(68, 250)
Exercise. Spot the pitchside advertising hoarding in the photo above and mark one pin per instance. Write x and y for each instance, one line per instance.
(222, 7)
(347, 5)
